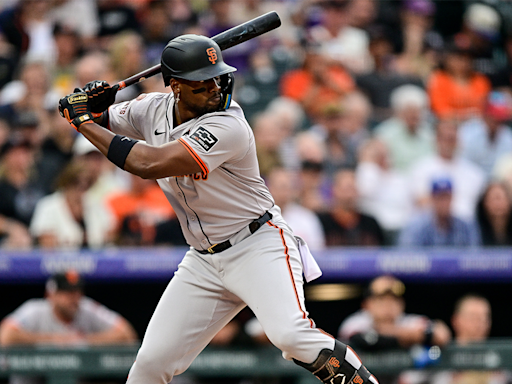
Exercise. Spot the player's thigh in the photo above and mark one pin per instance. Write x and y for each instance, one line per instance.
(269, 280)
(192, 309)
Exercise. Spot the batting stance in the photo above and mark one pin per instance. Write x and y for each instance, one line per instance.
(200, 148)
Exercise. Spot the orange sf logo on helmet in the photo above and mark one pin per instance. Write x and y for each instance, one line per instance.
(212, 54)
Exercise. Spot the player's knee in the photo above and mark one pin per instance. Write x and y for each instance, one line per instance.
(152, 368)
(286, 341)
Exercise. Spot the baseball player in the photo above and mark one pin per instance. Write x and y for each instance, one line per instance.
(200, 149)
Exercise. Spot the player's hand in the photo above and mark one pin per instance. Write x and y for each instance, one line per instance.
(101, 95)
(75, 108)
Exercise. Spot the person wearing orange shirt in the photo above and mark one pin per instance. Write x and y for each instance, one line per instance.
(138, 211)
(457, 90)
(320, 81)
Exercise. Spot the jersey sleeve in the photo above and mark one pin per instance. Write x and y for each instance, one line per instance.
(216, 140)
(129, 117)
(27, 315)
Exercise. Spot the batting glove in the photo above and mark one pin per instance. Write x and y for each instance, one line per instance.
(101, 95)
(75, 108)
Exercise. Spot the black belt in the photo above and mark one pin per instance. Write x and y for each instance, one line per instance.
(253, 227)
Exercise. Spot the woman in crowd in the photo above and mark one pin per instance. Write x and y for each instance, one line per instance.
(494, 215)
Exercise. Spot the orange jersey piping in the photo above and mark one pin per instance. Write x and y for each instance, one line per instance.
(304, 315)
(196, 157)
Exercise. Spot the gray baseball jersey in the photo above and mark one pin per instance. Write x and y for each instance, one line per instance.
(262, 270)
(36, 315)
(222, 143)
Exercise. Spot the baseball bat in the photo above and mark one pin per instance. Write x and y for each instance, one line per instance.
(227, 39)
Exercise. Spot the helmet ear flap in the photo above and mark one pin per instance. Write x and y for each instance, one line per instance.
(227, 83)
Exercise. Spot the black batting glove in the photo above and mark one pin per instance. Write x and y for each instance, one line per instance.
(75, 108)
(101, 95)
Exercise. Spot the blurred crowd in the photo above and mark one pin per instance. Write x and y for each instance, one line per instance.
(376, 122)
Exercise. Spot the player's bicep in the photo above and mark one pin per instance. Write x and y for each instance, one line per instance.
(215, 144)
(171, 159)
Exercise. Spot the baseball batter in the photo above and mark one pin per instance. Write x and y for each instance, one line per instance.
(199, 147)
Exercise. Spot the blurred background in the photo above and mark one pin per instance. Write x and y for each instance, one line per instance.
(383, 130)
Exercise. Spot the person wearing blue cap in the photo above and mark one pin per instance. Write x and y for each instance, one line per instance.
(438, 226)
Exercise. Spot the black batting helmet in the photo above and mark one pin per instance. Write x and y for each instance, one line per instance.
(194, 58)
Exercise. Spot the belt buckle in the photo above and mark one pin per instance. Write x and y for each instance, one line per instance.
(210, 250)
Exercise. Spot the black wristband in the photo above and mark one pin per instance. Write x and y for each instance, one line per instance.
(119, 148)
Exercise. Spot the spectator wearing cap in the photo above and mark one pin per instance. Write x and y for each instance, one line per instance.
(382, 324)
(481, 25)
(408, 134)
(468, 180)
(484, 140)
(456, 90)
(18, 192)
(65, 317)
(438, 226)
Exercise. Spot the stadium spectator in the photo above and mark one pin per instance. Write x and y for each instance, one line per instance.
(480, 32)
(338, 40)
(484, 140)
(105, 177)
(439, 227)
(382, 324)
(31, 93)
(330, 130)
(408, 134)
(80, 16)
(114, 17)
(67, 219)
(419, 41)
(471, 323)
(471, 319)
(283, 185)
(55, 152)
(18, 192)
(68, 43)
(268, 136)
(317, 83)
(456, 90)
(315, 185)
(384, 191)
(220, 16)
(502, 79)
(157, 30)
(468, 180)
(138, 211)
(344, 224)
(384, 77)
(344, 127)
(494, 215)
(362, 13)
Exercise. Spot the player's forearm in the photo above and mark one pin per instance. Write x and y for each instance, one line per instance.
(10, 336)
(119, 334)
(146, 161)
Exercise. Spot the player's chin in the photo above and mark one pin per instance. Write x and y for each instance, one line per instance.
(213, 104)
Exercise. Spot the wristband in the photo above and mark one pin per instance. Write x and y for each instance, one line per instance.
(119, 148)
